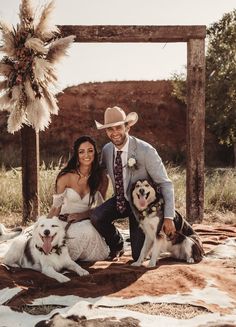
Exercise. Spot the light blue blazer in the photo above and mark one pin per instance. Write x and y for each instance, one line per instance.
(149, 165)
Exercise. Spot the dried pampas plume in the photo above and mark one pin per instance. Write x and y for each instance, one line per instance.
(45, 28)
(29, 85)
(58, 48)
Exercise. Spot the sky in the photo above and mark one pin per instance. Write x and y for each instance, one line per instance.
(91, 62)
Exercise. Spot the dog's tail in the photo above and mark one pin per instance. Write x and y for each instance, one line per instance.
(182, 225)
(197, 249)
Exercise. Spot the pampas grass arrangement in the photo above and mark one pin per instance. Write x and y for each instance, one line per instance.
(30, 82)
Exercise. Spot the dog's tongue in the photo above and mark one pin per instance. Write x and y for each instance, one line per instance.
(47, 244)
(142, 202)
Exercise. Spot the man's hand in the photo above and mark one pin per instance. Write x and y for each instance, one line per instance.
(73, 217)
(169, 227)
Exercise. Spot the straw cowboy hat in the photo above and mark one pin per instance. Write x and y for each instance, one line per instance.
(116, 116)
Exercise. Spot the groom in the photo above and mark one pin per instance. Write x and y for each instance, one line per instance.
(128, 159)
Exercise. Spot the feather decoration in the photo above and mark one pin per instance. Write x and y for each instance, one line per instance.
(38, 114)
(5, 69)
(30, 79)
(29, 91)
(36, 45)
(16, 92)
(16, 119)
(5, 28)
(26, 13)
(50, 82)
(58, 48)
(5, 101)
(41, 68)
(52, 76)
(3, 85)
(51, 101)
(8, 39)
(45, 28)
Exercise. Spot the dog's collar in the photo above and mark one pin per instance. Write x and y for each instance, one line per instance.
(152, 208)
(56, 249)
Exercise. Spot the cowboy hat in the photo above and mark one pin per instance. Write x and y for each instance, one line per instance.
(116, 116)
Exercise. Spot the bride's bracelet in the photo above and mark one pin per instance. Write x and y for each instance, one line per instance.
(63, 216)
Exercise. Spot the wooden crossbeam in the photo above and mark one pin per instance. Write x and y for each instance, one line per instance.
(130, 33)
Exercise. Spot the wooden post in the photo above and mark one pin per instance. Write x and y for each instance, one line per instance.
(234, 150)
(195, 129)
(30, 172)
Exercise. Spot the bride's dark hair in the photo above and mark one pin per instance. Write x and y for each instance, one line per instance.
(73, 164)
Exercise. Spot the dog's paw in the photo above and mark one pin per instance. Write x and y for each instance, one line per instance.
(10, 265)
(63, 279)
(190, 260)
(82, 272)
(136, 264)
(151, 264)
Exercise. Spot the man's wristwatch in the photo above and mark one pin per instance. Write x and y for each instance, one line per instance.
(63, 216)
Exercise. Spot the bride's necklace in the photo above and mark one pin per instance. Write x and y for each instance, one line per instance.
(82, 175)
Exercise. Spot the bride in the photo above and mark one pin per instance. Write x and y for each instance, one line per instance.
(80, 186)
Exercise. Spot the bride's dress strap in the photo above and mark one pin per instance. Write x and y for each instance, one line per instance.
(58, 199)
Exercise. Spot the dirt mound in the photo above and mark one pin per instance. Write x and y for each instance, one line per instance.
(162, 121)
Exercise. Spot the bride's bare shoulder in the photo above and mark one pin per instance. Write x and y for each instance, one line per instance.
(65, 180)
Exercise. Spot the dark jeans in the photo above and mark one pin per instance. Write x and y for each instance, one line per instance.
(102, 218)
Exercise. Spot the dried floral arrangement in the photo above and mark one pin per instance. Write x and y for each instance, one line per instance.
(29, 80)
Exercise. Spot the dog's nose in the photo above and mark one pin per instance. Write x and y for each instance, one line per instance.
(142, 191)
(46, 232)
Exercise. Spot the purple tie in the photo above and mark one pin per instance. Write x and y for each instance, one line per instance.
(119, 186)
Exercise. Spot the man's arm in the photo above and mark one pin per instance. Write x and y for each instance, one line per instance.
(75, 217)
(103, 184)
(157, 172)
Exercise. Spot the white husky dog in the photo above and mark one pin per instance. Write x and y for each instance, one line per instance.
(45, 250)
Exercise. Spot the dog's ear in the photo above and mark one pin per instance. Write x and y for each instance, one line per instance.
(156, 188)
(57, 220)
(35, 225)
(133, 185)
(40, 218)
(38, 221)
(152, 183)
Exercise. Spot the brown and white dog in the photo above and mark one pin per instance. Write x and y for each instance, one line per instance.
(185, 244)
(43, 250)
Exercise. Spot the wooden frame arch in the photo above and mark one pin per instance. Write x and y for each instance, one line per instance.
(194, 36)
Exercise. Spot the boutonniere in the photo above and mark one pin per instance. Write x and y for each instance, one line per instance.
(132, 163)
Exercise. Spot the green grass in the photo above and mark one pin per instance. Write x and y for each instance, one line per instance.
(11, 188)
(220, 190)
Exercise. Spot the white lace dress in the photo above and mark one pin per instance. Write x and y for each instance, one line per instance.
(84, 242)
